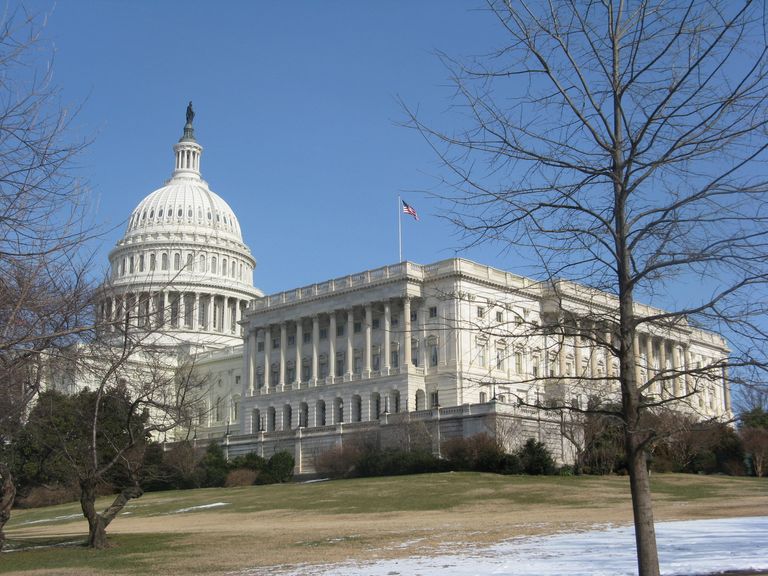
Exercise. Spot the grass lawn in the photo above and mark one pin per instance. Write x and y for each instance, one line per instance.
(217, 531)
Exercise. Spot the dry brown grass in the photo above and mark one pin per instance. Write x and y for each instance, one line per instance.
(220, 541)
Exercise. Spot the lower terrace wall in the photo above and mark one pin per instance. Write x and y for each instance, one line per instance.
(513, 425)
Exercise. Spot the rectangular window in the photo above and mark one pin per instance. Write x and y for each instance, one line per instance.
(376, 362)
(518, 362)
(357, 326)
(434, 399)
(260, 346)
(290, 374)
(305, 372)
(394, 358)
(480, 311)
(291, 340)
(275, 343)
(237, 380)
(499, 316)
(340, 330)
(323, 333)
(340, 364)
(433, 355)
(433, 312)
(375, 323)
(414, 316)
(306, 337)
(395, 321)
(358, 364)
(500, 353)
(482, 350)
(260, 380)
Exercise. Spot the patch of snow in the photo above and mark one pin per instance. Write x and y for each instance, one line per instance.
(54, 519)
(201, 507)
(315, 480)
(689, 547)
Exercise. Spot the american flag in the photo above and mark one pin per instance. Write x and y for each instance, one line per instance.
(408, 209)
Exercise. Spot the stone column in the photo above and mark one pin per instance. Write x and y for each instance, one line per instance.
(562, 356)
(593, 352)
(367, 351)
(577, 370)
(250, 373)
(151, 322)
(649, 359)
(608, 355)
(332, 345)
(299, 345)
(676, 365)
(182, 310)
(687, 377)
(350, 347)
(638, 359)
(387, 322)
(406, 360)
(315, 344)
(209, 314)
(267, 348)
(283, 346)
(162, 305)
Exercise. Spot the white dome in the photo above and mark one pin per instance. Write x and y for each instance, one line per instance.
(183, 260)
(184, 205)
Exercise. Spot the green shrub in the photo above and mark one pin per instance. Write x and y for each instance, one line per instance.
(279, 467)
(535, 458)
(213, 468)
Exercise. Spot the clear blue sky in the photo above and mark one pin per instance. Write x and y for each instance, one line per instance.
(296, 107)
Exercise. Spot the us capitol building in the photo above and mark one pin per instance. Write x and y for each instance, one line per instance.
(454, 346)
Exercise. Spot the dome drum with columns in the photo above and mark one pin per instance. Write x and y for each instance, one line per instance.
(182, 262)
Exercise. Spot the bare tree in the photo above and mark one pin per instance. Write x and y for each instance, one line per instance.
(622, 144)
(128, 390)
(44, 287)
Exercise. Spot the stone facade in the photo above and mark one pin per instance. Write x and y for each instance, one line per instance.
(461, 347)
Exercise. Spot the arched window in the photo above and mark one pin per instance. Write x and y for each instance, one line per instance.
(223, 266)
(164, 261)
(421, 400)
(152, 262)
(483, 397)
(214, 263)
(232, 273)
(176, 261)
(218, 410)
(141, 262)
(202, 263)
(190, 266)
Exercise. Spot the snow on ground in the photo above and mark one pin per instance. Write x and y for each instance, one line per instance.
(201, 507)
(685, 548)
(54, 519)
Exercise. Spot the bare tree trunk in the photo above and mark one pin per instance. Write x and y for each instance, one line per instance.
(642, 506)
(98, 522)
(7, 496)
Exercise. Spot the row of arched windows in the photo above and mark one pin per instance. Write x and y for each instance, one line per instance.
(324, 413)
(164, 261)
(171, 213)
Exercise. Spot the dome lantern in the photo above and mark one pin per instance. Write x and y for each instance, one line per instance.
(187, 150)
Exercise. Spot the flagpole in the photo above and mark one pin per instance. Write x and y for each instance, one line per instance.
(400, 226)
